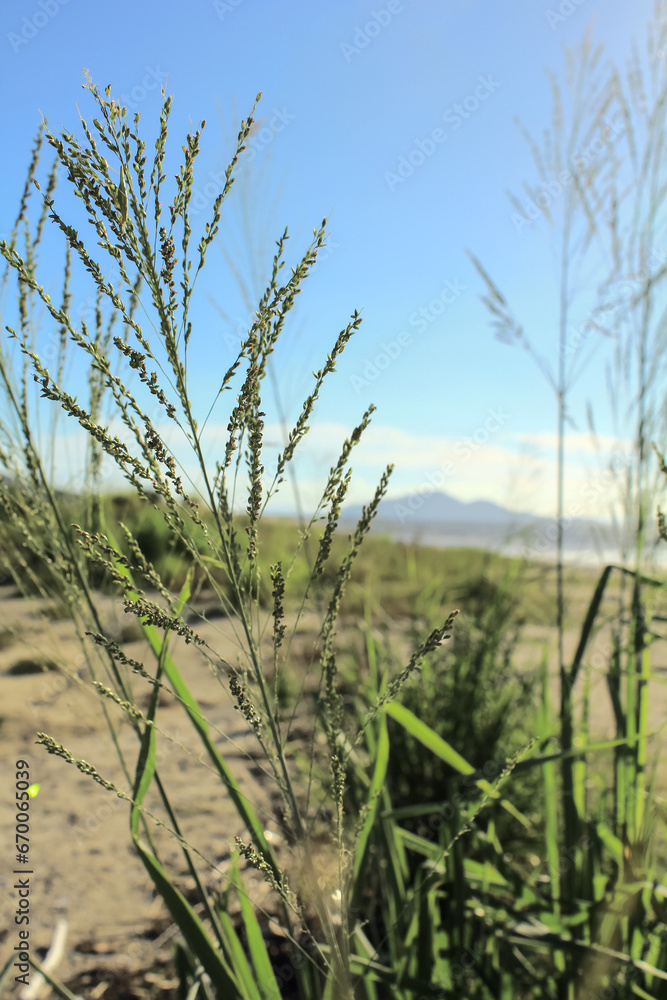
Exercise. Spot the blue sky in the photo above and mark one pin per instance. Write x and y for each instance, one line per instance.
(352, 94)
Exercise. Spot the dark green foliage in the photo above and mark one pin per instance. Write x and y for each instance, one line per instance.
(473, 696)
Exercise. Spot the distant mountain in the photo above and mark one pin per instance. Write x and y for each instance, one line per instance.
(434, 508)
(440, 519)
(442, 509)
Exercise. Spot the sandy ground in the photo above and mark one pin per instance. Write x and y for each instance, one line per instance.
(83, 866)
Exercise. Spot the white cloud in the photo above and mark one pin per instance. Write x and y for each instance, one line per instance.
(576, 442)
(516, 470)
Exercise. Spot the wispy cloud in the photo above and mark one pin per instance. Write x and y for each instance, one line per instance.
(577, 442)
(489, 462)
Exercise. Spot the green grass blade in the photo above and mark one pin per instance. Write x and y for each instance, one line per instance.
(377, 783)
(190, 926)
(365, 950)
(522, 765)
(425, 958)
(236, 957)
(642, 994)
(186, 919)
(589, 621)
(550, 799)
(613, 844)
(642, 724)
(630, 756)
(446, 752)
(268, 986)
